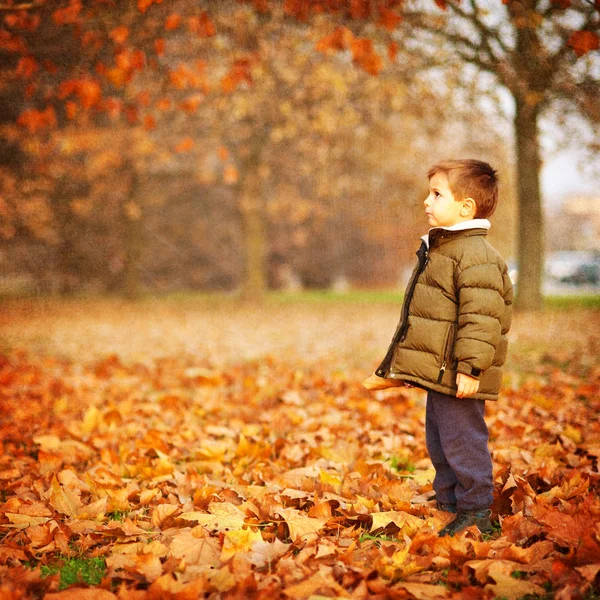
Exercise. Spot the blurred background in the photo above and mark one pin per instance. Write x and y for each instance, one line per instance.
(157, 147)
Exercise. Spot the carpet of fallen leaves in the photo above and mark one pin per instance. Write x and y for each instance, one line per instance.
(139, 435)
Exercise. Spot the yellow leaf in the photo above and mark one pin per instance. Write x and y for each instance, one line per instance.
(299, 524)
(407, 523)
(195, 547)
(24, 521)
(425, 591)
(93, 510)
(63, 500)
(162, 512)
(47, 442)
(222, 516)
(240, 540)
(333, 480)
(264, 553)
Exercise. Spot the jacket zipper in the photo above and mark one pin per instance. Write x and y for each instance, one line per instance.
(423, 255)
(446, 352)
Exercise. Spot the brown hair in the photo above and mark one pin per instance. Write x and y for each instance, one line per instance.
(469, 178)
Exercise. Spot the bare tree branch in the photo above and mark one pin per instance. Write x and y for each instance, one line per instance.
(23, 5)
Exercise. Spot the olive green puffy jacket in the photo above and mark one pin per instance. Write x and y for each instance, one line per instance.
(455, 317)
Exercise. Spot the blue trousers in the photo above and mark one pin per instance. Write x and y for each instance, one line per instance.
(457, 442)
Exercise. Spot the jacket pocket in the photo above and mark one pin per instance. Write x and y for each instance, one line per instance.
(447, 350)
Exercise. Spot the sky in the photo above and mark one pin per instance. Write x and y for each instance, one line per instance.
(562, 176)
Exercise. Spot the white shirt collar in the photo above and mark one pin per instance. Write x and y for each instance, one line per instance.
(471, 224)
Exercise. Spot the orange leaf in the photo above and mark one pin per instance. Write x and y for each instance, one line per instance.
(30, 90)
(389, 19)
(223, 153)
(163, 104)
(191, 103)
(131, 114)
(173, 21)
(27, 67)
(123, 60)
(393, 49)
(143, 98)
(149, 122)
(261, 6)
(583, 42)
(365, 56)
(62, 499)
(113, 107)
(89, 93)
(159, 46)
(144, 5)
(185, 145)
(202, 25)
(36, 119)
(71, 109)
(67, 88)
(118, 77)
(11, 43)
(67, 15)
(230, 175)
(119, 34)
(239, 73)
(50, 66)
(298, 9)
(138, 59)
(340, 39)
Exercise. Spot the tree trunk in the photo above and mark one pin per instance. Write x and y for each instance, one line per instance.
(531, 225)
(255, 285)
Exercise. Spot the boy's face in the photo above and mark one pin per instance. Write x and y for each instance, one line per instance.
(441, 208)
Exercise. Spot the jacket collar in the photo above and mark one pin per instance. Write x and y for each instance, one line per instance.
(482, 225)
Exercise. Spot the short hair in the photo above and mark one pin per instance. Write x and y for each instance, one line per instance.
(470, 178)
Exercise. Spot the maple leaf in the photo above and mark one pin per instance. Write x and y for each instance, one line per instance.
(388, 18)
(202, 25)
(69, 14)
(505, 585)
(185, 145)
(424, 591)
(194, 546)
(27, 67)
(239, 540)
(144, 5)
(63, 500)
(407, 523)
(119, 34)
(221, 517)
(299, 524)
(173, 21)
(583, 42)
(263, 554)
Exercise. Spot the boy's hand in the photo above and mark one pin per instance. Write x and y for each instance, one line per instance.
(467, 386)
(373, 382)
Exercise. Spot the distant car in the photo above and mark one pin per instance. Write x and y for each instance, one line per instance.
(587, 274)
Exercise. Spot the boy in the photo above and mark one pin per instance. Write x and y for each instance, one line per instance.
(451, 338)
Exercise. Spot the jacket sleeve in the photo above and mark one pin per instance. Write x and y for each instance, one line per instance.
(480, 310)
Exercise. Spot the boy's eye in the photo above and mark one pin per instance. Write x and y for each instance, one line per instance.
(436, 194)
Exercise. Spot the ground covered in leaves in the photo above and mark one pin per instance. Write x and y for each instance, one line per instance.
(144, 457)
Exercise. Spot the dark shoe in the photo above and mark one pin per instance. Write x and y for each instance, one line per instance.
(451, 508)
(467, 518)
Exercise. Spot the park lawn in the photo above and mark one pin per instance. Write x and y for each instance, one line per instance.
(202, 447)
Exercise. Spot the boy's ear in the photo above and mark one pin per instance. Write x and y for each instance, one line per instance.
(469, 208)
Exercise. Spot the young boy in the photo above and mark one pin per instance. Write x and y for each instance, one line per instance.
(451, 338)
